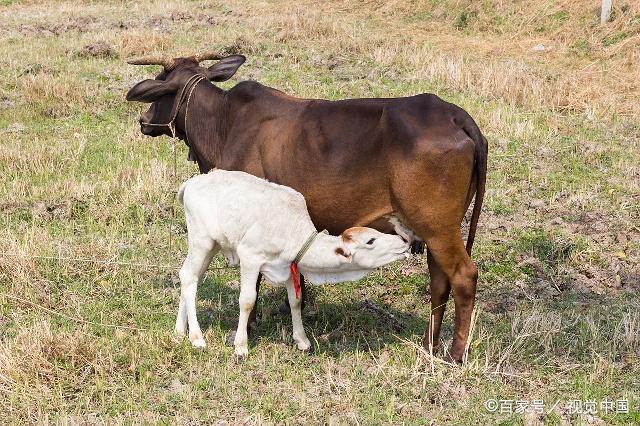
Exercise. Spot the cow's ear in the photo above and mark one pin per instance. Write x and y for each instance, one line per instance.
(225, 68)
(344, 253)
(150, 90)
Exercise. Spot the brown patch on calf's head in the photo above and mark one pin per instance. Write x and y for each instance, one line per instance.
(349, 234)
(341, 252)
(346, 236)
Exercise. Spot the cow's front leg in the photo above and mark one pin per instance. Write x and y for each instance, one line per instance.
(248, 294)
(299, 335)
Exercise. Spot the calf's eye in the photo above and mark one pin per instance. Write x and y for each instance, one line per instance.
(371, 241)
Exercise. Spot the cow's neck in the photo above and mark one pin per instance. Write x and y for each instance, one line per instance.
(206, 124)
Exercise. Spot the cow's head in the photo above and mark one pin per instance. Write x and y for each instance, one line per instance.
(162, 92)
(369, 249)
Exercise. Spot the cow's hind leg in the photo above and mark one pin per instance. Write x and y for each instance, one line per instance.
(431, 191)
(439, 289)
(447, 249)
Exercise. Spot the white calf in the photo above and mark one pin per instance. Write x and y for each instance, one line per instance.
(264, 227)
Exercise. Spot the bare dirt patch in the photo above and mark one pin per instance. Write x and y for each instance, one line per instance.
(97, 50)
(80, 24)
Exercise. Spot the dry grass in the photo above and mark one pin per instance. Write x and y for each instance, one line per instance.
(558, 249)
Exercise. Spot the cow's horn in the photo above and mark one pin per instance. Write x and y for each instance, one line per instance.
(152, 60)
(205, 56)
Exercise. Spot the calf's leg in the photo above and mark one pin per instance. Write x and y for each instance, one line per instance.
(194, 266)
(181, 318)
(248, 294)
(299, 336)
(285, 308)
(253, 322)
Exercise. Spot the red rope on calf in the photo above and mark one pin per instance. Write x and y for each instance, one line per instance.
(296, 278)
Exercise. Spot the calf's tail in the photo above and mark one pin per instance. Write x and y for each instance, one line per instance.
(180, 195)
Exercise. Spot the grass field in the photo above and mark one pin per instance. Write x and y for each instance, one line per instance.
(558, 319)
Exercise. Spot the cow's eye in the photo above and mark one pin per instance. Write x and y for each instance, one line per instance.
(371, 241)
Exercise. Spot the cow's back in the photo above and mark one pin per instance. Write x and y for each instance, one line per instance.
(341, 155)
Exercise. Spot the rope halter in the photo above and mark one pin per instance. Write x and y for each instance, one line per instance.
(185, 95)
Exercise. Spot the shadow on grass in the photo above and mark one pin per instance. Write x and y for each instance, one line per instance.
(535, 327)
(332, 327)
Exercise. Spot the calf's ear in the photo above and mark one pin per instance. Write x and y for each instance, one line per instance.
(345, 253)
(225, 68)
(150, 90)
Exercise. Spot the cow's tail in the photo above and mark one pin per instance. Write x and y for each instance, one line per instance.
(480, 169)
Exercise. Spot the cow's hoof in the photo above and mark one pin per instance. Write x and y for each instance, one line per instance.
(433, 351)
(451, 359)
(284, 308)
(417, 247)
(231, 337)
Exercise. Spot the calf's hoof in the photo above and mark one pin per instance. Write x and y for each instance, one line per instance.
(241, 353)
(198, 342)
(304, 345)
(307, 351)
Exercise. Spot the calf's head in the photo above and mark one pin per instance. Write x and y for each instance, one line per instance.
(366, 248)
(163, 92)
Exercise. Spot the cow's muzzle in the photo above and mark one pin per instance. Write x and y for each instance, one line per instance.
(144, 128)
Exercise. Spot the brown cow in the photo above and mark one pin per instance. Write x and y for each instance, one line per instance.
(358, 162)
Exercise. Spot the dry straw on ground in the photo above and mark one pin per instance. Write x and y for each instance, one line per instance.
(556, 94)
